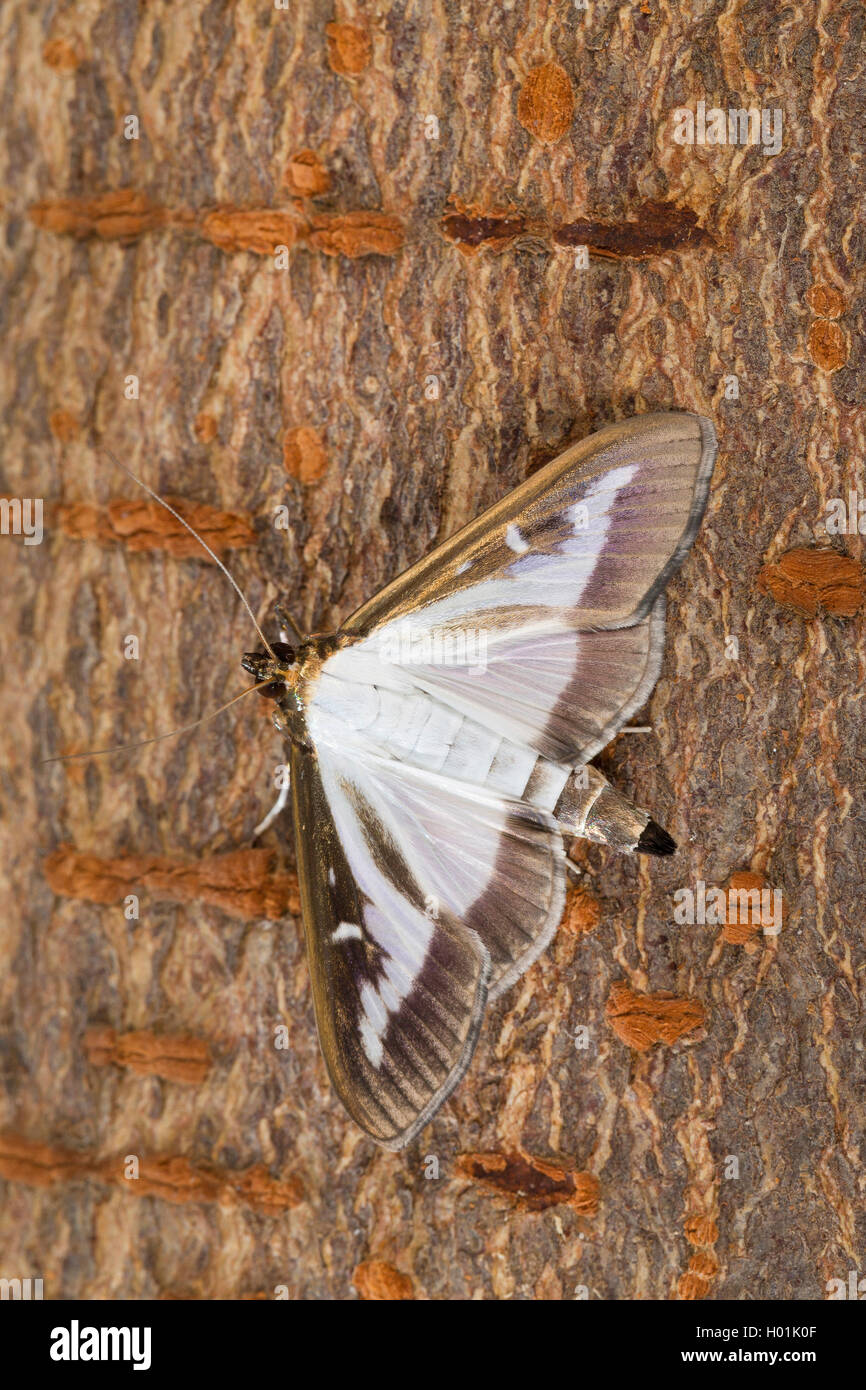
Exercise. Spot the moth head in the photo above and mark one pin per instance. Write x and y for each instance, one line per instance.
(274, 667)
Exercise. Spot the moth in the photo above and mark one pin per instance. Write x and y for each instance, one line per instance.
(440, 744)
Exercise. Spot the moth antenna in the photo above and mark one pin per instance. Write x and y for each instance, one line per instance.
(204, 545)
(142, 743)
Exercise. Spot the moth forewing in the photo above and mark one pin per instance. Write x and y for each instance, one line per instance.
(399, 986)
(673, 455)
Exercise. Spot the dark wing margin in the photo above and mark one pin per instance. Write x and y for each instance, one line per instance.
(399, 997)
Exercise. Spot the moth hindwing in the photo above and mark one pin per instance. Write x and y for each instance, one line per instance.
(439, 748)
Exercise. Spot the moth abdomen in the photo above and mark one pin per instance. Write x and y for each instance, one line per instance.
(591, 809)
(654, 839)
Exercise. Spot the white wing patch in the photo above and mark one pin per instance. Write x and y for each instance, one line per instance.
(379, 1004)
(515, 539)
(373, 1024)
(347, 931)
(371, 1041)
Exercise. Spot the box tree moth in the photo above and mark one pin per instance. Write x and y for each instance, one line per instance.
(439, 743)
(439, 753)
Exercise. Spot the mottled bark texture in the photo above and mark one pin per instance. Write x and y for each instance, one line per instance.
(429, 335)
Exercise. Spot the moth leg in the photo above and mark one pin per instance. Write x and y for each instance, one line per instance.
(288, 627)
(590, 808)
(275, 810)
